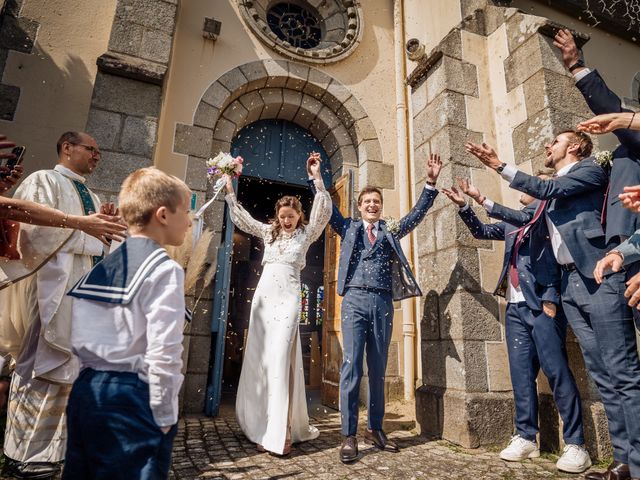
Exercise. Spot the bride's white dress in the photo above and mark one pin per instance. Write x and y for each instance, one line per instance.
(271, 390)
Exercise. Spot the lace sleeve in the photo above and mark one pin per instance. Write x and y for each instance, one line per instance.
(243, 220)
(320, 212)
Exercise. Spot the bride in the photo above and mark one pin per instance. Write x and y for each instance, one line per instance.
(271, 405)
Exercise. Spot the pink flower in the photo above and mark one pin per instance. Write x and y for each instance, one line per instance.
(240, 160)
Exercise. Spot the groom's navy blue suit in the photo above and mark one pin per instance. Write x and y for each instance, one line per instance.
(370, 278)
(533, 338)
(597, 314)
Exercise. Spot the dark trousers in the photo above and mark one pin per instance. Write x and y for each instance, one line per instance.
(111, 430)
(367, 318)
(536, 340)
(603, 324)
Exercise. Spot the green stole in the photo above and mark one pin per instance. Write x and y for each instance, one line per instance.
(88, 208)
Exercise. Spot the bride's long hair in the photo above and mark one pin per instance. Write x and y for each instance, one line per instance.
(291, 202)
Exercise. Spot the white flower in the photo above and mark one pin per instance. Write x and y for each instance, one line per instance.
(604, 158)
(393, 225)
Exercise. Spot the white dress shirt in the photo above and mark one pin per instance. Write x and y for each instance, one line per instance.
(513, 294)
(581, 74)
(560, 250)
(144, 337)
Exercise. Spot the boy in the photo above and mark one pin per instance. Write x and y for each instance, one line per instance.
(127, 328)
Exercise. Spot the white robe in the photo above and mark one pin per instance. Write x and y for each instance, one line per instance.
(35, 319)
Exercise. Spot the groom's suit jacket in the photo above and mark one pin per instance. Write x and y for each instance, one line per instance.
(403, 282)
(626, 163)
(535, 292)
(574, 206)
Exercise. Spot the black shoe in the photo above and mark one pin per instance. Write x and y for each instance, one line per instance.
(349, 449)
(31, 470)
(380, 440)
(615, 471)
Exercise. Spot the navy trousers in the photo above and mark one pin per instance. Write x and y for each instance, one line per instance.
(111, 431)
(603, 323)
(367, 319)
(536, 340)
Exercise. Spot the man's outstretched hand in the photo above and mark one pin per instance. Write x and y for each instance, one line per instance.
(455, 196)
(485, 153)
(568, 49)
(434, 165)
(631, 198)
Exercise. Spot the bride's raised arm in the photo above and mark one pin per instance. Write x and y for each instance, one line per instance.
(241, 218)
(322, 206)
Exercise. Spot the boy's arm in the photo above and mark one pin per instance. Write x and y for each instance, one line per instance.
(483, 231)
(337, 220)
(418, 212)
(162, 300)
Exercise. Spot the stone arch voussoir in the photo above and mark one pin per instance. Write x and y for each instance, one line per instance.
(286, 90)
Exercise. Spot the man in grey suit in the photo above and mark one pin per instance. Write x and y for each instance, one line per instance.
(373, 273)
(597, 313)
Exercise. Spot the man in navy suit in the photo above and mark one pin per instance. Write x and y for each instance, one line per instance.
(597, 313)
(620, 222)
(535, 331)
(373, 272)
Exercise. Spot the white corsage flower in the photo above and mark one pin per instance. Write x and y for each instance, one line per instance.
(393, 225)
(604, 158)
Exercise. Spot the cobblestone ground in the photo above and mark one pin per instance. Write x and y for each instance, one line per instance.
(215, 448)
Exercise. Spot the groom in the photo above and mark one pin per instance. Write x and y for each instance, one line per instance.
(373, 272)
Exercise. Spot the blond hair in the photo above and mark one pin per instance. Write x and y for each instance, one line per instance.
(146, 190)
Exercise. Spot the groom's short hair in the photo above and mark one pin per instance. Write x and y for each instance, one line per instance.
(369, 189)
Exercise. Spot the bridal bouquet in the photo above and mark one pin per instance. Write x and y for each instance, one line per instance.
(218, 168)
(224, 164)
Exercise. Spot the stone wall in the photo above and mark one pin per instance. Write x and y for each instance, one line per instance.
(493, 78)
(18, 34)
(128, 89)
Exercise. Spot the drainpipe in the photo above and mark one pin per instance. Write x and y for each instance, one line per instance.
(404, 187)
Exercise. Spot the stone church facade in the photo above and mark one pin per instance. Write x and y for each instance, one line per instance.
(156, 83)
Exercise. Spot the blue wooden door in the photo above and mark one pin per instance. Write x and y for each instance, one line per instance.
(274, 151)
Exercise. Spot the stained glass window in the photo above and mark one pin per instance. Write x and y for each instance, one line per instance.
(319, 305)
(304, 303)
(295, 24)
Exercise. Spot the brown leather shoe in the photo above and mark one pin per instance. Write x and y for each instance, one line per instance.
(615, 471)
(380, 440)
(349, 449)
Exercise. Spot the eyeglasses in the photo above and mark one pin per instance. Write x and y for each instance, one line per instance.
(94, 151)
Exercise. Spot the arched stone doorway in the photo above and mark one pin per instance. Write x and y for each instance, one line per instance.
(278, 90)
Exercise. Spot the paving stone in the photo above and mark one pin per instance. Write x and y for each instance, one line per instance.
(419, 458)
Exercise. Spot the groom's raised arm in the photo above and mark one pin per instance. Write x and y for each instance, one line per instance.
(428, 195)
(418, 212)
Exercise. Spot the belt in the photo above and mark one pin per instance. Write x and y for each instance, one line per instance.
(569, 267)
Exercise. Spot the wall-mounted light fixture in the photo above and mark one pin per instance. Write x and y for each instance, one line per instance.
(211, 28)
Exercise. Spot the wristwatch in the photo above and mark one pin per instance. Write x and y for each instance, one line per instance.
(578, 64)
(501, 167)
(433, 184)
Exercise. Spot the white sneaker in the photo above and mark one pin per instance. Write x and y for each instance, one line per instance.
(574, 459)
(520, 449)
